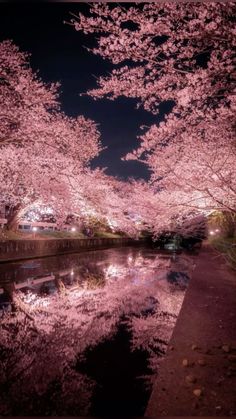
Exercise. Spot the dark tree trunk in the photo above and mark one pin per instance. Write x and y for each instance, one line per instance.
(13, 217)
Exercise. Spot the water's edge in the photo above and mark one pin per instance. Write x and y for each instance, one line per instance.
(14, 250)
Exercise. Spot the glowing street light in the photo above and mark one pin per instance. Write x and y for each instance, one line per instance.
(73, 229)
(34, 230)
(212, 233)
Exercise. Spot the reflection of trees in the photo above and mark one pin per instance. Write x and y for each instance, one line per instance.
(42, 341)
(33, 367)
(95, 281)
(92, 276)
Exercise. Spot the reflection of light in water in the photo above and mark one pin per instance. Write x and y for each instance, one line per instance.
(136, 281)
(30, 297)
(44, 303)
(75, 294)
(137, 266)
(35, 301)
(112, 270)
(84, 317)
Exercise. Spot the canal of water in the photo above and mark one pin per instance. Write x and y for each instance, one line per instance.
(83, 334)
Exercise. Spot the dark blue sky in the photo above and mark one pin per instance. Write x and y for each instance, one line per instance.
(58, 53)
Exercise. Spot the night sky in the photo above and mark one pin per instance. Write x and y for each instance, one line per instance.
(58, 54)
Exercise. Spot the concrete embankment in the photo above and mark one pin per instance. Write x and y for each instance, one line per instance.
(25, 249)
(197, 377)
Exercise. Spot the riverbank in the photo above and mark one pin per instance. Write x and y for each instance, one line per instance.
(52, 234)
(13, 250)
(197, 377)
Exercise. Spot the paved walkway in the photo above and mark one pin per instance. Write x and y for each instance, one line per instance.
(205, 339)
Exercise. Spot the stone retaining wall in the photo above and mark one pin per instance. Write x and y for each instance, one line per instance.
(24, 249)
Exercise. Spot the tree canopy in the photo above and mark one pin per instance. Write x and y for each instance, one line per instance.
(180, 54)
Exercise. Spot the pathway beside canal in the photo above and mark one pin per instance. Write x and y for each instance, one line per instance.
(197, 377)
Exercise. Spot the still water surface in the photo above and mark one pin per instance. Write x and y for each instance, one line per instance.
(83, 334)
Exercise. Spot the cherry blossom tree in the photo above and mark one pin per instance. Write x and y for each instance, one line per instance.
(45, 157)
(180, 55)
(198, 174)
(129, 206)
(45, 154)
(25, 101)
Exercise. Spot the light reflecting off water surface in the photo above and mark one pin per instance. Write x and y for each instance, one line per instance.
(80, 332)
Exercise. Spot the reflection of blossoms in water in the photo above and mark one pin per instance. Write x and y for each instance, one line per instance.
(113, 271)
(50, 333)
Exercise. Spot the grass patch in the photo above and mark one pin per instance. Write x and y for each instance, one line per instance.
(77, 235)
(60, 235)
(105, 234)
(47, 235)
(40, 235)
(226, 246)
(11, 235)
